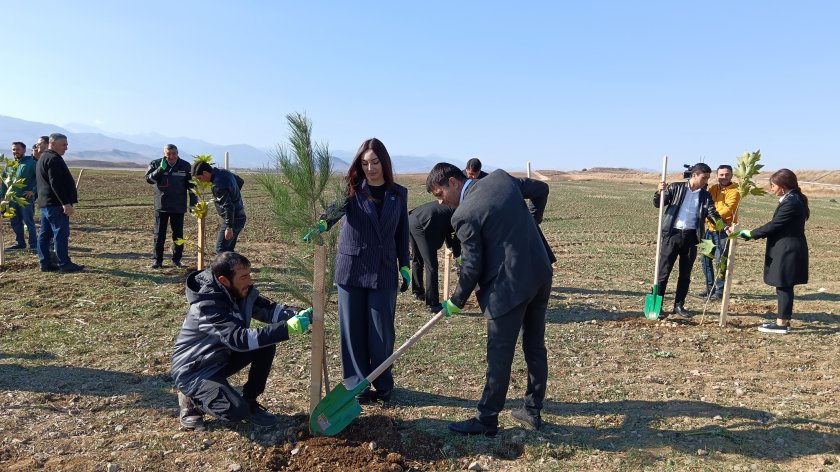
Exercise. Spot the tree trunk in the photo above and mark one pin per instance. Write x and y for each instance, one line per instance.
(727, 287)
(446, 253)
(318, 349)
(2, 244)
(200, 256)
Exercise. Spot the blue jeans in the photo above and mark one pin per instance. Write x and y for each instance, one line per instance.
(55, 226)
(25, 216)
(223, 245)
(710, 268)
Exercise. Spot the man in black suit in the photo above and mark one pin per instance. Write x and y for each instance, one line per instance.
(429, 228)
(504, 260)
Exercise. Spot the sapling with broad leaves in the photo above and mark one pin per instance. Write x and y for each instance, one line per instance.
(202, 190)
(9, 197)
(745, 170)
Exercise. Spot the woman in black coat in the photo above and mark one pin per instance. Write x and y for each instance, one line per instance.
(786, 257)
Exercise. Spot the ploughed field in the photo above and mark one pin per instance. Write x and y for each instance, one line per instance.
(84, 358)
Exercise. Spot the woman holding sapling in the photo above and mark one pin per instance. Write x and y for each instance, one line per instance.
(786, 257)
(372, 257)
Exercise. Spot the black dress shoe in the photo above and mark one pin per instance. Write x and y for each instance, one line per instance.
(49, 268)
(71, 267)
(521, 415)
(384, 395)
(178, 264)
(367, 397)
(472, 427)
(679, 310)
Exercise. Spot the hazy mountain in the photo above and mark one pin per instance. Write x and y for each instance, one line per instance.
(93, 144)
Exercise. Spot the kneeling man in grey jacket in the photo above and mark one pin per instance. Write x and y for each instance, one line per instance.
(217, 341)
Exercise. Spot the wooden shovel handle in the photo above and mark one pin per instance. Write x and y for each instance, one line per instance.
(659, 226)
(413, 339)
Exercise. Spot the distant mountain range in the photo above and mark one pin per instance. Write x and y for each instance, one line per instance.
(98, 148)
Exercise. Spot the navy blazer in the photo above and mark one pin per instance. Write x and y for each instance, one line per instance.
(371, 247)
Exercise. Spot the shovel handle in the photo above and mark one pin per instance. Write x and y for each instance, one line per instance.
(413, 339)
(659, 226)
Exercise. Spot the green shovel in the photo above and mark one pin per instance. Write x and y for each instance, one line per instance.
(653, 302)
(340, 407)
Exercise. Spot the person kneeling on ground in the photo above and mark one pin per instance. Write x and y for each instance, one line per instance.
(217, 341)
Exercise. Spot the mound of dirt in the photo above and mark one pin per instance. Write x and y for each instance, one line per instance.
(373, 443)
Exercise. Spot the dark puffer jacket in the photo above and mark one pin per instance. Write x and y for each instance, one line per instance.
(226, 191)
(217, 325)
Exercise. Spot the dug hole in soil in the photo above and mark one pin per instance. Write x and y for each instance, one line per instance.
(372, 443)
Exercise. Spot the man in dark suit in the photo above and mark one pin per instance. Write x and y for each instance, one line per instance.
(429, 228)
(510, 270)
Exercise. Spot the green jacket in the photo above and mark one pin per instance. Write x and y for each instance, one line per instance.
(26, 170)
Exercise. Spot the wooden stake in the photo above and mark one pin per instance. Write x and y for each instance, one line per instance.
(318, 348)
(79, 179)
(227, 160)
(200, 257)
(727, 286)
(2, 244)
(529, 169)
(446, 255)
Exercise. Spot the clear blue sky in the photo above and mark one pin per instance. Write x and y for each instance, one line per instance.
(565, 85)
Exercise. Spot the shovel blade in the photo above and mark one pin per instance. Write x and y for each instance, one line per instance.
(653, 304)
(336, 410)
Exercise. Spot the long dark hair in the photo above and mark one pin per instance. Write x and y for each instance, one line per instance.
(356, 173)
(786, 179)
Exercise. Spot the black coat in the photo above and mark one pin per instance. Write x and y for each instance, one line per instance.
(227, 197)
(504, 258)
(786, 257)
(56, 185)
(431, 222)
(172, 186)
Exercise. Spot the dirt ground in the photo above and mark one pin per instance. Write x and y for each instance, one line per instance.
(84, 358)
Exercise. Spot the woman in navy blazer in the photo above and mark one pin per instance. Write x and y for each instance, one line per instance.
(372, 256)
(786, 257)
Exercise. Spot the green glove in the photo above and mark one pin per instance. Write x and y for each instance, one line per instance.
(406, 275)
(459, 260)
(746, 234)
(299, 323)
(320, 227)
(163, 164)
(450, 308)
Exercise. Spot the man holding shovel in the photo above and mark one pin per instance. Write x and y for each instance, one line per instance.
(506, 262)
(688, 205)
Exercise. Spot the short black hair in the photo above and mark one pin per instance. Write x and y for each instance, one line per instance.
(725, 166)
(200, 167)
(440, 174)
(18, 143)
(226, 263)
(701, 168)
(474, 164)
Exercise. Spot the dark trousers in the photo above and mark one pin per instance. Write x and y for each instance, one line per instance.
(424, 261)
(225, 245)
(55, 228)
(366, 323)
(502, 334)
(217, 397)
(711, 265)
(784, 296)
(682, 244)
(176, 221)
(24, 216)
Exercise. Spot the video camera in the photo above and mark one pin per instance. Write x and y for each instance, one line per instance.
(687, 171)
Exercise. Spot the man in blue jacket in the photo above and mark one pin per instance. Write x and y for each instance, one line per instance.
(217, 341)
(24, 215)
(172, 179)
(228, 199)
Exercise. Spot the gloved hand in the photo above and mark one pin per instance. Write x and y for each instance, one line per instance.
(450, 308)
(320, 227)
(299, 323)
(459, 260)
(406, 276)
(746, 234)
(163, 164)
